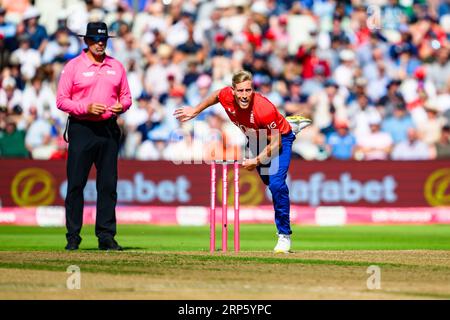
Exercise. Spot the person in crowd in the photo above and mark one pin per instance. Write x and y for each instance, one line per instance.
(341, 144)
(12, 142)
(398, 124)
(375, 145)
(441, 149)
(412, 148)
(37, 32)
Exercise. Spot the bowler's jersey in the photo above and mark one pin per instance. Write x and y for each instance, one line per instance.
(261, 114)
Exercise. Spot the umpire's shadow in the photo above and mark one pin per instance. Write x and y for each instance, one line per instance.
(123, 249)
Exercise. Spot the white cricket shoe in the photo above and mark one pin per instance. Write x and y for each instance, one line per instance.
(283, 244)
(298, 123)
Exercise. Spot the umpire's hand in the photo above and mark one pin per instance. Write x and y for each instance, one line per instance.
(96, 108)
(117, 108)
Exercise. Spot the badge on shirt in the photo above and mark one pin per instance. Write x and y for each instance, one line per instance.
(272, 125)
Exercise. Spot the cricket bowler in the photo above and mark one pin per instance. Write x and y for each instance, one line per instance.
(252, 112)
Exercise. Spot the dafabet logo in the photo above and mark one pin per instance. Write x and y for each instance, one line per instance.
(33, 187)
(437, 188)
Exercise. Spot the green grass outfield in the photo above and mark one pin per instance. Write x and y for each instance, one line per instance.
(173, 262)
(261, 237)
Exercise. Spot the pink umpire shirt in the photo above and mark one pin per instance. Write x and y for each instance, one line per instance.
(83, 82)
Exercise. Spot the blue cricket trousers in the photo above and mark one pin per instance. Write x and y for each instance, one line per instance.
(274, 175)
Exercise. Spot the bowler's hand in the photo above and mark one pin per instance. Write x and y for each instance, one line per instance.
(117, 108)
(250, 164)
(185, 114)
(96, 109)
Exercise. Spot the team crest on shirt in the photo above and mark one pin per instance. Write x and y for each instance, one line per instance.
(252, 118)
(88, 74)
(232, 112)
(111, 72)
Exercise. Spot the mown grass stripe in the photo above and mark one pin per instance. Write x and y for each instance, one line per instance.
(253, 237)
(182, 261)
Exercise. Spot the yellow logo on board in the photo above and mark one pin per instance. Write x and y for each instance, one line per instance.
(249, 189)
(437, 191)
(33, 187)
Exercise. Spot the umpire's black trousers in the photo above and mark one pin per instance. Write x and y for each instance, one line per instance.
(92, 143)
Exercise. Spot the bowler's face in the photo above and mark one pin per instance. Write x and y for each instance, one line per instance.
(243, 94)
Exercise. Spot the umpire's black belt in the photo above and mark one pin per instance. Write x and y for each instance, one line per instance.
(108, 123)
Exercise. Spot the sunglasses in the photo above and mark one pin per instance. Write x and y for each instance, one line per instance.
(98, 38)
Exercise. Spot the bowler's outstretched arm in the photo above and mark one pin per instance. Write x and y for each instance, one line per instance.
(187, 113)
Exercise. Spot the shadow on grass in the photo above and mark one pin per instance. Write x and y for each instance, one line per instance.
(124, 249)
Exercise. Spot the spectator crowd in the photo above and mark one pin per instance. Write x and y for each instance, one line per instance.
(374, 76)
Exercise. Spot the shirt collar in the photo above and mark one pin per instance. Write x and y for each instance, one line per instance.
(88, 62)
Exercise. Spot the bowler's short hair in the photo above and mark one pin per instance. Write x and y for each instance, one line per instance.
(241, 76)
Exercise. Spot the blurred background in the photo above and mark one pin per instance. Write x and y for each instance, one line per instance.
(374, 76)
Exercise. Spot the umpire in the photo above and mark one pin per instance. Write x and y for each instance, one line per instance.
(93, 90)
